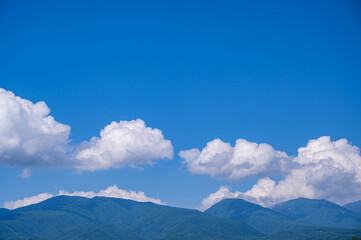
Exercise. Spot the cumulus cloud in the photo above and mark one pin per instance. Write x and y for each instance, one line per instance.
(111, 191)
(30, 137)
(324, 169)
(245, 159)
(223, 192)
(327, 169)
(122, 143)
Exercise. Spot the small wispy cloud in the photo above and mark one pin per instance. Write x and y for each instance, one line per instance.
(26, 173)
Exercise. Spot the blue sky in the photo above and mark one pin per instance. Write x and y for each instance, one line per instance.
(278, 72)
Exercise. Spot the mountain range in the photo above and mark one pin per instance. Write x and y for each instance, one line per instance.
(65, 217)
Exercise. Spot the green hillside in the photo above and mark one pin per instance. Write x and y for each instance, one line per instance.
(316, 234)
(319, 212)
(111, 218)
(354, 207)
(262, 219)
(101, 218)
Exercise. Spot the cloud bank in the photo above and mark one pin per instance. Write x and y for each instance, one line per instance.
(30, 137)
(111, 191)
(324, 169)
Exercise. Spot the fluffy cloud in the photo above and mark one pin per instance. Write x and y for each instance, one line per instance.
(30, 137)
(213, 198)
(324, 169)
(245, 159)
(327, 169)
(111, 191)
(123, 143)
(28, 201)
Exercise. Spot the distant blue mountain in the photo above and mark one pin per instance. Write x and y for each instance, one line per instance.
(67, 218)
(262, 219)
(102, 218)
(319, 212)
(354, 207)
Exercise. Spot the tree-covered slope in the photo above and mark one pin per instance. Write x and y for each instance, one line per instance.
(354, 207)
(110, 218)
(262, 219)
(101, 218)
(316, 234)
(319, 212)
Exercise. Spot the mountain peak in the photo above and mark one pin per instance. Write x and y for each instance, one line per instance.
(262, 219)
(354, 207)
(320, 212)
(307, 203)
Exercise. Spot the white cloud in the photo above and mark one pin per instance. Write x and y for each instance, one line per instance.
(123, 143)
(213, 198)
(327, 169)
(324, 169)
(261, 191)
(28, 201)
(29, 136)
(111, 191)
(26, 173)
(245, 159)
